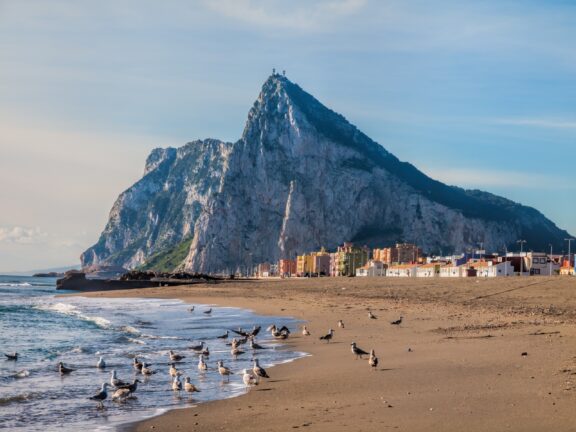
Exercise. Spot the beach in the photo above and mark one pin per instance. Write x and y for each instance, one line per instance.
(470, 354)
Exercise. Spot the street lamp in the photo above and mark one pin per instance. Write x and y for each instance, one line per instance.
(522, 242)
(569, 240)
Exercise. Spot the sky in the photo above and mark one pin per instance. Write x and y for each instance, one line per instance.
(476, 94)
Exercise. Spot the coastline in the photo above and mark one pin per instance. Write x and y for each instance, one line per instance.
(464, 369)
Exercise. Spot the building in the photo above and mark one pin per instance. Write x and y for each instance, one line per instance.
(491, 268)
(428, 270)
(334, 258)
(372, 269)
(566, 269)
(286, 267)
(263, 270)
(453, 269)
(401, 253)
(304, 265)
(541, 264)
(321, 263)
(350, 258)
(402, 270)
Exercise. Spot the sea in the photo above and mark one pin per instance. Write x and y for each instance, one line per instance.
(45, 329)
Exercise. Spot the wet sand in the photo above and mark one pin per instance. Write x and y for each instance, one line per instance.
(455, 363)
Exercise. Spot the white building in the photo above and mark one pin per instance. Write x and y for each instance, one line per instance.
(453, 270)
(372, 269)
(402, 270)
(492, 269)
(428, 270)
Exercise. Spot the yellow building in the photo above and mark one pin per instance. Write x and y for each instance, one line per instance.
(304, 264)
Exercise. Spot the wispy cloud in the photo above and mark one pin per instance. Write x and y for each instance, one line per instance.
(286, 15)
(22, 235)
(548, 123)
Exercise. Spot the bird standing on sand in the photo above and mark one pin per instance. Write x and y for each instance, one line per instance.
(328, 337)
(397, 322)
(223, 370)
(115, 381)
(189, 387)
(202, 364)
(175, 357)
(373, 360)
(305, 331)
(11, 356)
(371, 315)
(258, 370)
(357, 351)
(177, 384)
(64, 370)
(340, 324)
(101, 395)
(249, 379)
(101, 364)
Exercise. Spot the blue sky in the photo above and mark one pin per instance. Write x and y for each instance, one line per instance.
(477, 94)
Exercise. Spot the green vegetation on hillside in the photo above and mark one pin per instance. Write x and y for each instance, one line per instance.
(167, 260)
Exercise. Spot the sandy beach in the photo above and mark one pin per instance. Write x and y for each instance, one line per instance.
(455, 363)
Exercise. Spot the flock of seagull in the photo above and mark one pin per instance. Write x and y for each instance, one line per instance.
(123, 390)
(358, 352)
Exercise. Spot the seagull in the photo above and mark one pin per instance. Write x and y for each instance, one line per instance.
(202, 364)
(357, 351)
(208, 311)
(146, 370)
(101, 364)
(371, 315)
(397, 322)
(191, 309)
(340, 324)
(373, 360)
(175, 357)
(189, 387)
(101, 395)
(176, 384)
(12, 356)
(198, 348)
(254, 345)
(305, 331)
(327, 337)
(137, 364)
(249, 379)
(236, 352)
(173, 371)
(64, 370)
(115, 381)
(223, 370)
(224, 336)
(124, 392)
(258, 370)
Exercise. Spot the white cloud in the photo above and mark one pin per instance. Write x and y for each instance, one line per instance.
(286, 15)
(548, 123)
(22, 235)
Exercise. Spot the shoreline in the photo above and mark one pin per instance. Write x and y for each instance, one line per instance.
(464, 369)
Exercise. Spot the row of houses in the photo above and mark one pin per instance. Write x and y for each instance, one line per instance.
(407, 260)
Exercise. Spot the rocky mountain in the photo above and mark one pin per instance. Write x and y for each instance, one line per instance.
(300, 177)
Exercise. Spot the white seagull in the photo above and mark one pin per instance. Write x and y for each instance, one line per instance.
(101, 364)
(189, 387)
(373, 360)
(305, 331)
(115, 381)
(202, 364)
(176, 384)
(357, 351)
(101, 395)
(258, 370)
(249, 379)
(223, 370)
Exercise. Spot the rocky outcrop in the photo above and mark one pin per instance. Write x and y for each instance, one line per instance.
(300, 177)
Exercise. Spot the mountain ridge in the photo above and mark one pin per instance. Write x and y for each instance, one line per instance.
(301, 176)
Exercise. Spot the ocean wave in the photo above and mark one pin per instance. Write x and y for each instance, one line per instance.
(14, 284)
(71, 310)
(130, 329)
(149, 336)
